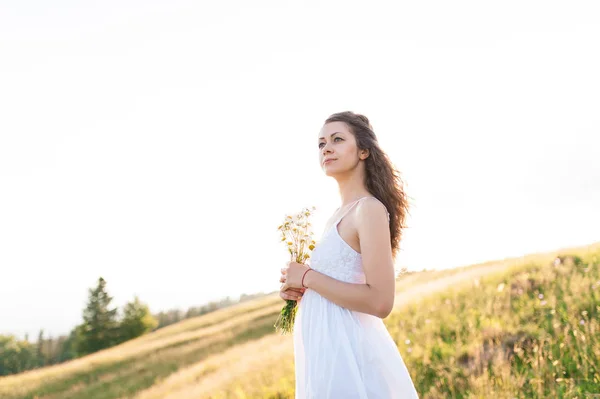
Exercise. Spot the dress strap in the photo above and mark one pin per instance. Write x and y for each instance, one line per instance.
(347, 210)
(356, 202)
(352, 206)
(339, 219)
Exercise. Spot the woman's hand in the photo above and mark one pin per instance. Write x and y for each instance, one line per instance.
(293, 272)
(292, 294)
(291, 276)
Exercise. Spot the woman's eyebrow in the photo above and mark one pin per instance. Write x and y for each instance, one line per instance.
(331, 135)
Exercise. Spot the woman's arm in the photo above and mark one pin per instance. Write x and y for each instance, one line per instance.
(376, 297)
(358, 297)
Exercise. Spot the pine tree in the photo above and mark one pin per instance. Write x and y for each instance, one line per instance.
(41, 358)
(68, 346)
(99, 328)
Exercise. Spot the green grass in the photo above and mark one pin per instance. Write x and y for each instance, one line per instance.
(528, 329)
(121, 378)
(530, 333)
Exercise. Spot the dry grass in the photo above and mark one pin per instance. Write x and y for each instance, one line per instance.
(210, 331)
(234, 353)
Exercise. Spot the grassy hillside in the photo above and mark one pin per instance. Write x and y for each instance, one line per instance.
(529, 330)
(532, 332)
(524, 327)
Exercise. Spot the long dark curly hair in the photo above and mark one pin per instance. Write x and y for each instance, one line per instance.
(382, 179)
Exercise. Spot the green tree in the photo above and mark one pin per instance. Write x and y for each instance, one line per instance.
(41, 357)
(68, 346)
(15, 356)
(100, 326)
(137, 320)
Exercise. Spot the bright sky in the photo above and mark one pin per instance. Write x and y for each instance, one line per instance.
(159, 144)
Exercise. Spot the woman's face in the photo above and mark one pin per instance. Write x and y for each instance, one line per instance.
(338, 151)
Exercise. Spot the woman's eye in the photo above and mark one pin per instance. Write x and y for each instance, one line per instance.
(334, 139)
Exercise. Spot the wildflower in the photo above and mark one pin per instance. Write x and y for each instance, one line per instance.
(407, 342)
(582, 322)
(543, 303)
(557, 262)
(296, 235)
(541, 296)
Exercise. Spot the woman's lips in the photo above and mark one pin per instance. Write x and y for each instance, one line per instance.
(328, 161)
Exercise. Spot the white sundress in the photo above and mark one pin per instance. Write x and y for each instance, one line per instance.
(340, 353)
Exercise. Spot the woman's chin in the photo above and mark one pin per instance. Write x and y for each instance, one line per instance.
(329, 171)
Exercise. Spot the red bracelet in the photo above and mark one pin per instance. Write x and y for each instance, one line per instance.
(307, 270)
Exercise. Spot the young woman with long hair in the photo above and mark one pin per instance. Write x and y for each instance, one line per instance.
(342, 347)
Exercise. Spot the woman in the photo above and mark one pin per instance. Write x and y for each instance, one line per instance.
(342, 348)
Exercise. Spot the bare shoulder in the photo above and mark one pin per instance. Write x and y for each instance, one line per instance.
(371, 208)
(372, 217)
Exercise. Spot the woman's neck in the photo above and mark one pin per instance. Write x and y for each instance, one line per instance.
(350, 191)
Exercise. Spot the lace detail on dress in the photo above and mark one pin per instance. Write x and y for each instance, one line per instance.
(335, 258)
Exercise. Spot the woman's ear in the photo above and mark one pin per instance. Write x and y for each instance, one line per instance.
(364, 154)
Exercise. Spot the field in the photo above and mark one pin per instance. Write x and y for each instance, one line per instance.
(514, 328)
